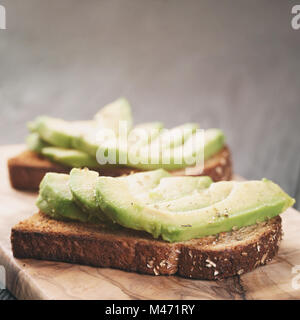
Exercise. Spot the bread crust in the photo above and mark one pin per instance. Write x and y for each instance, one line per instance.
(27, 169)
(210, 258)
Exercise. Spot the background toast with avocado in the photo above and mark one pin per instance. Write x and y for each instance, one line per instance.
(159, 224)
(55, 145)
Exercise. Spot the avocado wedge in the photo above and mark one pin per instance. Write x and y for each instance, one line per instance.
(175, 136)
(69, 157)
(116, 148)
(214, 141)
(35, 143)
(83, 187)
(107, 122)
(60, 133)
(144, 133)
(110, 116)
(171, 150)
(219, 207)
(180, 156)
(172, 188)
(56, 200)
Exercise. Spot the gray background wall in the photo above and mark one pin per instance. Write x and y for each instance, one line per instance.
(228, 64)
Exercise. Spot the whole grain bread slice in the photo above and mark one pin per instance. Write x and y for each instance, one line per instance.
(27, 169)
(213, 257)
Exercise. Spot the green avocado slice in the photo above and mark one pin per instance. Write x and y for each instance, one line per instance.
(35, 143)
(175, 136)
(70, 157)
(141, 182)
(83, 187)
(144, 133)
(197, 198)
(56, 200)
(60, 133)
(213, 142)
(117, 149)
(145, 181)
(219, 208)
(109, 116)
(101, 142)
(173, 143)
(107, 126)
(32, 125)
(172, 188)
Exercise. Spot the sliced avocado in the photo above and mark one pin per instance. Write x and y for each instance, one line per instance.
(107, 126)
(86, 143)
(109, 116)
(89, 142)
(141, 182)
(145, 181)
(144, 133)
(70, 157)
(83, 187)
(35, 143)
(198, 198)
(175, 136)
(142, 140)
(219, 208)
(171, 188)
(191, 149)
(118, 149)
(56, 200)
(214, 141)
(32, 126)
(61, 133)
(162, 152)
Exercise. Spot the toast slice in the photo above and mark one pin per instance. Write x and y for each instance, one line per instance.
(213, 257)
(28, 169)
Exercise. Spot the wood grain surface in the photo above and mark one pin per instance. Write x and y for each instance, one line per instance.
(33, 279)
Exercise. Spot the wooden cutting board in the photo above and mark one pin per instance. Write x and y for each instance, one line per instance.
(33, 279)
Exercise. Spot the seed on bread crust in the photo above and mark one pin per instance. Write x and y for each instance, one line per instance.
(155, 271)
(212, 264)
